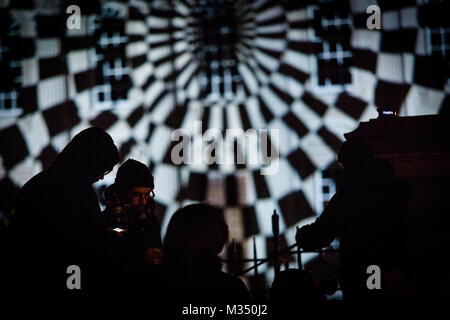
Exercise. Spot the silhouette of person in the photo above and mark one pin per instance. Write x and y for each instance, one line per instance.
(134, 230)
(195, 236)
(57, 218)
(367, 215)
(293, 280)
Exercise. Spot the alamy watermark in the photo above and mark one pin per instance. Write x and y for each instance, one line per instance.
(74, 279)
(73, 22)
(374, 20)
(374, 280)
(211, 147)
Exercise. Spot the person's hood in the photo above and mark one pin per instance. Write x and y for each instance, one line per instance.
(89, 154)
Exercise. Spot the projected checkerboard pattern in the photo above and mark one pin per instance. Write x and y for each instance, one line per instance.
(10, 67)
(159, 88)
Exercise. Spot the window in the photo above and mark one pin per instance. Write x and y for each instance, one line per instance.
(109, 59)
(217, 28)
(332, 27)
(433, 17)
(10, 65)
(439, 41)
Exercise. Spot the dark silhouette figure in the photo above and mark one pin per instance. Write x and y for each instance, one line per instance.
(368, 217)
(195, 236)
(293, 286)
(57, 219)
(134, 232)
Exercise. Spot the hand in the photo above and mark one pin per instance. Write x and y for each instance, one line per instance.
(115, 232)
(153, 256)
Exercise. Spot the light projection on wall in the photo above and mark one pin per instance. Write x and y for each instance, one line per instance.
(10, 67)
(333, 24)
(141, 70)
(108, 57)
(437, 27)
(217, 28)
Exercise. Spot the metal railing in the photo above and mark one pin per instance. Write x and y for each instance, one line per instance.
(273, 257)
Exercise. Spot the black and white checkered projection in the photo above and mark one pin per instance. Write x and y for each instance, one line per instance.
(140, 70)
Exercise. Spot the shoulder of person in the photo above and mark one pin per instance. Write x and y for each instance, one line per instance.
(152, 217)
(236, 286)
(230, 279)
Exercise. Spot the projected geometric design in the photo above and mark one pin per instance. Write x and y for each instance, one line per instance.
(217, 27)
(113, 81)
(332, 24)
(273, 86)
(439, 41)
(433, 18)
(10, 67)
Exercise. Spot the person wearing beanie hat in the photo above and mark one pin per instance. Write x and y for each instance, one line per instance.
(135, 232)
(134, 183)
(132, 174)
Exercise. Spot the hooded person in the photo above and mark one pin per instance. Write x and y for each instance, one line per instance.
(56, 222)
(134, 230)
(368, 216)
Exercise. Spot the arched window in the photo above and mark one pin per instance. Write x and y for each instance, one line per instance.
(10, 65)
